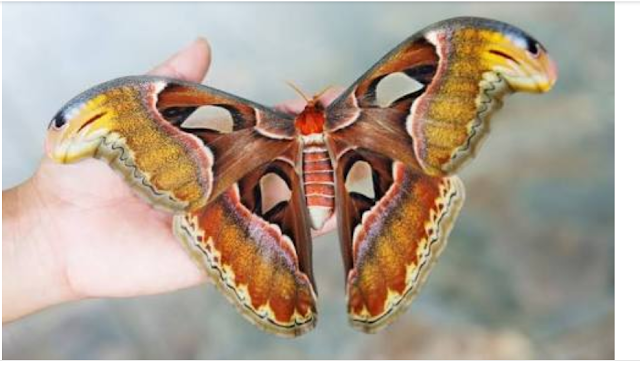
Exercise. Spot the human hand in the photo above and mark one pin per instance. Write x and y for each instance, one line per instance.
(78, 231)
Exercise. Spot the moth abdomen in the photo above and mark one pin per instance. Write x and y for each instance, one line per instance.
(318, 183)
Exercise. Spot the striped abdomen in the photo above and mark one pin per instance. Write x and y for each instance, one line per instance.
(318, 183)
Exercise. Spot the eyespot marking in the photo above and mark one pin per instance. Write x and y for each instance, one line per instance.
(58, 120)
(533, 46)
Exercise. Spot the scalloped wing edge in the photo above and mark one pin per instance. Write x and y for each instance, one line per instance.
(433, 247)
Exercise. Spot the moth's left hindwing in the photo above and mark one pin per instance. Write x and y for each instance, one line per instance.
(260, 259)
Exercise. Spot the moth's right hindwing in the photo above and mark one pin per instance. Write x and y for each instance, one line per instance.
(391, 242)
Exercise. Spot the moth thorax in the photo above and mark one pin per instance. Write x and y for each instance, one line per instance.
(311, 119)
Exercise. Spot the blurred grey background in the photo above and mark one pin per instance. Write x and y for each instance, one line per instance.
(529, 270)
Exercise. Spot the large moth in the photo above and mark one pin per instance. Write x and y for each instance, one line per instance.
(413, 144)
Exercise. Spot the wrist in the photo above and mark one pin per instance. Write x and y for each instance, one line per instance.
(33, 270)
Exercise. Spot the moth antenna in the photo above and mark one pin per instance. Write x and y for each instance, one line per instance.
(315, 97)
(299, 91)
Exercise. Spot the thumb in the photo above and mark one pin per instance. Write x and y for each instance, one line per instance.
(190, 63)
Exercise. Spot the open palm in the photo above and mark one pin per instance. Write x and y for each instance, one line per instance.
(111, 242)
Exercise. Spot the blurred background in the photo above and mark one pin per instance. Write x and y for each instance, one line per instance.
(529, 269)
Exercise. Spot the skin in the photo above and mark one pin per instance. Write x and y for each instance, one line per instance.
(77, 231)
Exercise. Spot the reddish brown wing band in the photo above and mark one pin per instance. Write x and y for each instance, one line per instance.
(391, 243)
(259, 134)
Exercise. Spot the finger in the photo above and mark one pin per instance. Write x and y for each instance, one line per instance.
(190, 63)
(293, 106)
(330, 95)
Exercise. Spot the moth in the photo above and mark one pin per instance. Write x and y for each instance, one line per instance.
(413, 144)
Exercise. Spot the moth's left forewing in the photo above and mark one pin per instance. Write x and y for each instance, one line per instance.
(258, 134)
(137, 125)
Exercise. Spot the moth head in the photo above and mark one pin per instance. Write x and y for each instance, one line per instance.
(80, 127)
(520, 59)
(311, 119)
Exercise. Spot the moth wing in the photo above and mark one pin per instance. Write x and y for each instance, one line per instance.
(449, 79)
(391, 242)
(453, 76)
(136, 125)
(258, 135)
(260, 259)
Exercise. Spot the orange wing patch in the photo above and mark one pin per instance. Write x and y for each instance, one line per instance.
(252, 263)
(397, 244)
